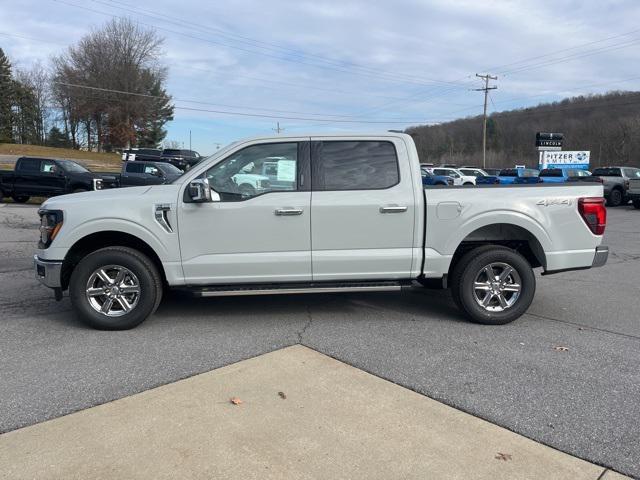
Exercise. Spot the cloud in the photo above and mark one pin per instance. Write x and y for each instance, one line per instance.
(352, 58)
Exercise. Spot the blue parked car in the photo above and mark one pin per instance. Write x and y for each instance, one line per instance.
(429, 178)
(561, 175)
(510, 176)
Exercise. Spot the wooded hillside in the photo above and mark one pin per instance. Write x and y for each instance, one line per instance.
(607, 125)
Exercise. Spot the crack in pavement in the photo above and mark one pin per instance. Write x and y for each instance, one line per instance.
(589, 327)
(305, 326)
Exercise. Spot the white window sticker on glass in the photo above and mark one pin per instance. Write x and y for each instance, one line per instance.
(286, 170)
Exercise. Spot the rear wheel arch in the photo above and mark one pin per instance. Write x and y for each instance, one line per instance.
(99, 240)
(505, 235)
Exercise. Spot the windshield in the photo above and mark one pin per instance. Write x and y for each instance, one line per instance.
(72, 167)
(169, 169)
(220, 153)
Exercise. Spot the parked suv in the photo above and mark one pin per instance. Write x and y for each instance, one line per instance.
(634, 191)
(616, 183)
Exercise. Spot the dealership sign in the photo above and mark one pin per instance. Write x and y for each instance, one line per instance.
(565, 159)
(549, 141)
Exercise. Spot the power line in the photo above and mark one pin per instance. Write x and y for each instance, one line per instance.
(537, 57)
(259, 43)
(244, 114)
(201, 102)
(381, 76)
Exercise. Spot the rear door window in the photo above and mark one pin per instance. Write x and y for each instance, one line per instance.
(134, 168)
(607, 172)
(552, 172)
(354, 165)
(30, 165)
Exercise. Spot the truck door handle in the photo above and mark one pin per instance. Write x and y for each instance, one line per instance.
(288, 211)
(393, 209)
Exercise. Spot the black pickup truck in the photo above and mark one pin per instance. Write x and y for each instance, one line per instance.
(147, 173)
(45, 177)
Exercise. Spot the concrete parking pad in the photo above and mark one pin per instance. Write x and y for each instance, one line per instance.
(302, 415)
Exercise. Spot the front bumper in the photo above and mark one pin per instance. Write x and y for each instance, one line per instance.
(48, 272)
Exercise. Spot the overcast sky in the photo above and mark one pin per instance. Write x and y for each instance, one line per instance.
(394, 62)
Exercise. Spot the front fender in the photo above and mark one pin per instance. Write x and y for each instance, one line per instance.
(69, 237)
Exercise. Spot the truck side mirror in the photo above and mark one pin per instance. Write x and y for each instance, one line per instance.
(199, 191)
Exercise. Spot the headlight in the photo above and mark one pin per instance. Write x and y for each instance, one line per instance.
(50, 225)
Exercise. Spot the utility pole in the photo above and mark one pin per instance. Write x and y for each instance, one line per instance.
(189, 139)
(278, 129)
(485, 89)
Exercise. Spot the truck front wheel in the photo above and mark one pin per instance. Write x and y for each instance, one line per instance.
(115, 288)
(636, 203)
(20, 198)
(493, 285)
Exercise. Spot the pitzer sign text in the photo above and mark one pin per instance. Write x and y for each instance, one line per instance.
(565, 159)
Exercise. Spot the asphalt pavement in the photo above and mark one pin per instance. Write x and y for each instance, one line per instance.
(565, 374)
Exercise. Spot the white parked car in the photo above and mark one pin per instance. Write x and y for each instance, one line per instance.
(459, 178)
(355, 218)
(473, 172)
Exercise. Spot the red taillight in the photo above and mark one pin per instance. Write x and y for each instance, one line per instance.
(593, 213)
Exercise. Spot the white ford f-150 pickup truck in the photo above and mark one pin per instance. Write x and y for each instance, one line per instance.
(354, 217)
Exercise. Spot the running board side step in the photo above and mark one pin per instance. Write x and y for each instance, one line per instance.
(285, 289)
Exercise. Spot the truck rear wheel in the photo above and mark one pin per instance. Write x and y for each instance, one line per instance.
(20, 198)
(615, 198)
(493, 285)
(636, 203)
(115, 288)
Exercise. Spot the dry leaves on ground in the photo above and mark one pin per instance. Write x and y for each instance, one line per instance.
(560, 348)
(236, 401)
(503, 456)
(282, 395)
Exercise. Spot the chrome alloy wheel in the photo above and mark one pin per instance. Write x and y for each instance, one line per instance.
(113, 290)
(497, 287)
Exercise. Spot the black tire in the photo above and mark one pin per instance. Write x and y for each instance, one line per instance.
(247, 190)
(470, 266)
(615, 198)
(147, 276)
(636, 203)
(20, 198)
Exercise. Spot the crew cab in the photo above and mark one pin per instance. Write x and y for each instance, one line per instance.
(147, 173)
(518, 176)
(561, 175)
(355, 219)
(616, 183)
(46, 177)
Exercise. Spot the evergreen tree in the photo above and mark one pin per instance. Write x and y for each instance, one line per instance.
(57, 138)
(151, 133)
(6, 99)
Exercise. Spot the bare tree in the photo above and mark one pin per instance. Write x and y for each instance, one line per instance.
(108, 83)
